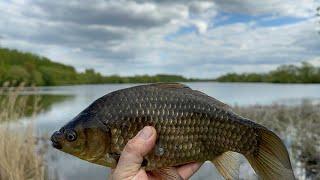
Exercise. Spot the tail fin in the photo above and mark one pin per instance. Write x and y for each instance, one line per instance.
(271, 161)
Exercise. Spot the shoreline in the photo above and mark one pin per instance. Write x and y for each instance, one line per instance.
(183, 82)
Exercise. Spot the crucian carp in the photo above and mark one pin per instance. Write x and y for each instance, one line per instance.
(191, 127)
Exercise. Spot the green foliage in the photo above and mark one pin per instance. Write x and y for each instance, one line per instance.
(17, 73)
(145, 79)
(245, 77)
(32, 69)
(305, 73)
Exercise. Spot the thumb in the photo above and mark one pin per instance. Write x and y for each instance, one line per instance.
(132, 155)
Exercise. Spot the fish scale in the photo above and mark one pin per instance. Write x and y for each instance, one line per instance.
(189, 127)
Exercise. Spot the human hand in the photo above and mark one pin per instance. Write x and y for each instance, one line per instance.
(130, 162)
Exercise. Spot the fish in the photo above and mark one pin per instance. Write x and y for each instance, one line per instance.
(191, 127)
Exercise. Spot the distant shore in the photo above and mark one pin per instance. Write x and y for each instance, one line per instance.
(18, 67)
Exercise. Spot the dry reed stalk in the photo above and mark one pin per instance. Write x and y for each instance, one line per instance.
(298, 125)
(19, 159)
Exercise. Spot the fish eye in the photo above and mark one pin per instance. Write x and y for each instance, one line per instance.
(71, 135)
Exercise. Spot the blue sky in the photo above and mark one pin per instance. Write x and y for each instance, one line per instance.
(191, 38)
(223, 19)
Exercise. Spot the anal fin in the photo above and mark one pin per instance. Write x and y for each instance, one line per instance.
(228, 165)
(168, 173)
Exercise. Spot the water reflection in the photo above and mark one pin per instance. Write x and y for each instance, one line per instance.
(35, 104)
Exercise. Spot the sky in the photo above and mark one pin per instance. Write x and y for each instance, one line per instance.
(193, 38)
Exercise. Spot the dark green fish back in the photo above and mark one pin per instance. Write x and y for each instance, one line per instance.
(191, 126)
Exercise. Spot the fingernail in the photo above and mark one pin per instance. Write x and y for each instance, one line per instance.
(145, 133)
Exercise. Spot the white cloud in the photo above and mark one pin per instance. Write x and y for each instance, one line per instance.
(129, 37)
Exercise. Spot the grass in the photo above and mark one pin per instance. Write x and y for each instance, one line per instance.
(299, 126)
(20, 157)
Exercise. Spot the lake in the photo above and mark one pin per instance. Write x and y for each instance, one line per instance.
(76, 98)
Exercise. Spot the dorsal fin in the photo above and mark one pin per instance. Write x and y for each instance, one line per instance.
(187, 89)
(170, 85)
(214, 100)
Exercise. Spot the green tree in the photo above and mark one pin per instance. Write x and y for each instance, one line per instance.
(36, 78)
(17, 73)
(305, 73)
(283, 74)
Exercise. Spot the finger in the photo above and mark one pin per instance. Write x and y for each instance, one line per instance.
(132, 155)
(186, 171)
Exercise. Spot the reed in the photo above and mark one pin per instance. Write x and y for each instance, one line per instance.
(20, 157)
(298, 126)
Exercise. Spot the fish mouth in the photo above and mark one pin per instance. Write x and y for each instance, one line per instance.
(55, 140)
(56, 145)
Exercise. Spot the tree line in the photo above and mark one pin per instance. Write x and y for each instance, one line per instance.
(17, 67)
(304, 73)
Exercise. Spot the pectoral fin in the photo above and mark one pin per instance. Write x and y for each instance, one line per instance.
(228, 165)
